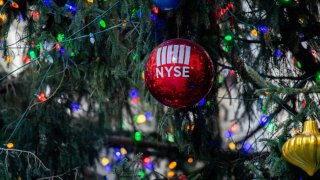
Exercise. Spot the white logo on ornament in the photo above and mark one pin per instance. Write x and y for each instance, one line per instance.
(178, 55)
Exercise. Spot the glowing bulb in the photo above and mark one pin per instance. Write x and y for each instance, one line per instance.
(105, 161)
(254, 32)
(234, 128)
(190, 160)
(202, 102)
(15, 5)
(142, 75)
(318, 77)
(137, 136)
(155, 10)
(71, 7)
(141, 119)
(90, 1)
(8, 59)
(264, 120)
(32, 54)
(247, 147)
(123, 151)
(1, 2)
(60, 37)
(3, 18)
(25, 59)
(228, 134)
(10, 145)
(41, 97)
(75, 106)
(133, 93)
(263, 29)
(58, 47)
(232, 146)
(228, 37)
(35, 15)
(271, 127)
(171, 174)
(141, 174)
(102, 23)
(172, 165)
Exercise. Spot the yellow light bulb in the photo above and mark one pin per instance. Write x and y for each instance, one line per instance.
(90, 1)
(232, 146)
(105, 161)
(141, 119)
(254, 32)
(170, 174)
(172, 165)
(1, 2)
(123, 151)
(8, 59)
(10, 145)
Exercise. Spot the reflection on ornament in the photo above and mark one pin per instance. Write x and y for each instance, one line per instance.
(303, 150)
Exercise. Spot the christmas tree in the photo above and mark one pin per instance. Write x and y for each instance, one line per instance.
(160, 89)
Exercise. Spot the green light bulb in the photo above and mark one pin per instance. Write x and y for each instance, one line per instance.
(141, 174)
(103, 23)
(271, 127)
(228, 37)
(299, 64)
(318, 77)
(32, 54)
(137, 136)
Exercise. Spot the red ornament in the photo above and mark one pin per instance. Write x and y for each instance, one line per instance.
(179, 73)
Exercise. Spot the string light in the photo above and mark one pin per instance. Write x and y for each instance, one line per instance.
(202, 102)
(58, 47)
(318, 77)
(3, 18)
(71, 7)
(254, 32)
(25, 59)
(123, 151)
(75, 106)
(148, 115)
(92, 40)
(228, 37)
(105, 161)
(35, 15)
(60, 37)
(140, 119)
(263, 29)
(32, 54)
(190, 160)
(137, 136)
(234, 128)
(8, 59)
(247, 147)
(228, 134)
(102, 23)
(141, 174)
(232, 146)
(278, 53)
(15, 5)
(47, 2)
(147, 163)
(155, 10)
(142, 75)
(90, 1)
(170, 138)
(1, 2)
(41, 97)
(264, 120)
(170, 174)
(271, 127)
(172, 165)
(10, 145)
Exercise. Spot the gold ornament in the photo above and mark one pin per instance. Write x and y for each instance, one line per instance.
(303, 150)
